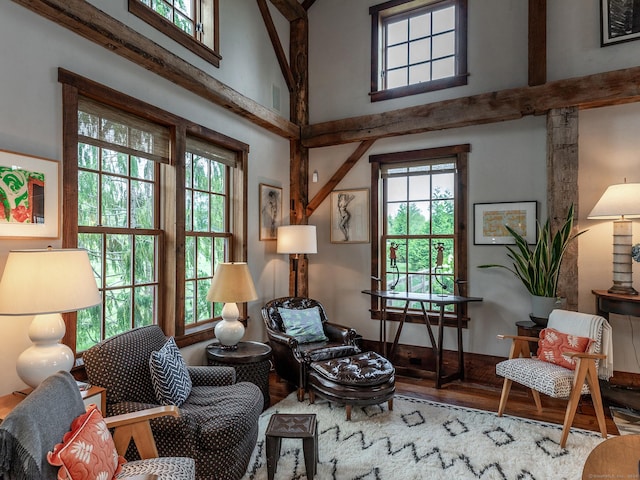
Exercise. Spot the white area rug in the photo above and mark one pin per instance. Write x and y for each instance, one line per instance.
(423, 440)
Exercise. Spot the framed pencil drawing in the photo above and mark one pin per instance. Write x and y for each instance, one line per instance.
(270, 211)
(620, 21)
(490, 220)
(350, 216)
(29, 204)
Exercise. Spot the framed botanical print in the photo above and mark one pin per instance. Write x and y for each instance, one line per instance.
(29, 204)
(350, 216)
(270, 211)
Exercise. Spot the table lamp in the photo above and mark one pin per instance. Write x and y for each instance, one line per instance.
(296, 240)
(620, 202)
(46, 283)
(231, 283)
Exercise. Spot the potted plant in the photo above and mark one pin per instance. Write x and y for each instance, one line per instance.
(538, 265)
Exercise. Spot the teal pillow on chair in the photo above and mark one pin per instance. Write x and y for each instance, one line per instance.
(303, 324)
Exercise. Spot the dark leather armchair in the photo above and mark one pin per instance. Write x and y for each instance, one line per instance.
(291, 358)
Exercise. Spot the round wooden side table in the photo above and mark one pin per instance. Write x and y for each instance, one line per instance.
(529, 329)
(251, 360)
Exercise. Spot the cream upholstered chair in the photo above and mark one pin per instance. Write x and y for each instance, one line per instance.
(556, 380)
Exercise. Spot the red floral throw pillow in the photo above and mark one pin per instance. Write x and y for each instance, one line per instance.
(87, 452)
(553, 344)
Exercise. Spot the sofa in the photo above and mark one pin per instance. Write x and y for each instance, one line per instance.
(218, 424)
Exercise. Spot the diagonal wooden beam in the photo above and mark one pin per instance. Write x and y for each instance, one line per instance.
(93, 24)
(277, 45)
(339, 175)
(290, 9)
(307, 4)
(597, 90)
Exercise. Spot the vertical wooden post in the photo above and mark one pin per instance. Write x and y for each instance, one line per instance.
(562, 190)
(537, 42)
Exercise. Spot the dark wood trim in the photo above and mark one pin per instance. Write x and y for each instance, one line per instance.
(306, 4)
(277, 45)
(424, 87)
(338, 176)
(597, 90)
(290, 9)
(160, 23)
(537, 42)
(89, 22)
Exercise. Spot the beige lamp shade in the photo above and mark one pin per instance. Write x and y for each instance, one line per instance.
(232, 283)
(47, 281)
(294, 239)
(622, 200)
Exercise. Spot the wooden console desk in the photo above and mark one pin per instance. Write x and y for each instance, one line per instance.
(607, 303)
(441, 301)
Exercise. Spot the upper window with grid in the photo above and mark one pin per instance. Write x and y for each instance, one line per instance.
(418, 46)
(192, 23)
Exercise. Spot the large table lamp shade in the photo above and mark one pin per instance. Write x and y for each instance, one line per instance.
(231, 284)
(620, 202)
(296, 240)
(46, 283)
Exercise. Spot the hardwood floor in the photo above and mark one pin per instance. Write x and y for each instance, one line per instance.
(480, 396)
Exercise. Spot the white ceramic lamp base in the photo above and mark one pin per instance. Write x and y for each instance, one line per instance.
(229, 331)
(46, 356)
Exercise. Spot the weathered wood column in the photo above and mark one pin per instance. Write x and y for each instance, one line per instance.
(562, 190)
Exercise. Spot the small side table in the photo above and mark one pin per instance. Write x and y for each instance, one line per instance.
(290, 425)
(251, 361)
(529, 329)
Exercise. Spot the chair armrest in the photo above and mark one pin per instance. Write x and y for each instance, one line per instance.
(519, 345)
(594, 356)
(135, 426)
(284, 339)
(203, 375)
(519, 337)
(335, 331)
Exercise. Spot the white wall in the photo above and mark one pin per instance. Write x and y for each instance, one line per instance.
(31, 106)
(507, 160)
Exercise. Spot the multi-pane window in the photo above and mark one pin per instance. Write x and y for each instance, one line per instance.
(418, 46)
(207, 224)
(192, 23)
(118, 195)
(421, 200)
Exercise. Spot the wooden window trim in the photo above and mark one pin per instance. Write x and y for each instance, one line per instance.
(160, 23)
(394, 7)
(461, 152)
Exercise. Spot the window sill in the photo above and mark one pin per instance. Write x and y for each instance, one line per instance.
(418, 88)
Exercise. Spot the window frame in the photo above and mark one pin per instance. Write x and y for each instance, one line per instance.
(461, 240)
(381, 13)
(157, 21)
(171, 307)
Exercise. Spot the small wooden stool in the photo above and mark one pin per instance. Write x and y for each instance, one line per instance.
(288, 425)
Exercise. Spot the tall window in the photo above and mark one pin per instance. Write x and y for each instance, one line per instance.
(192, 23)
(155, 227)
(421, 198)
(418, 46)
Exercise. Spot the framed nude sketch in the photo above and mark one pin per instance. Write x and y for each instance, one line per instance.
(350, 216)
(270, 211)
(29, 204)
(620, 21)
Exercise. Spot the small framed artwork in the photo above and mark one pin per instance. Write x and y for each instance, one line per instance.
(270, 211)
(489, 221)
(620, 21)
(28, 196)
(350, 216)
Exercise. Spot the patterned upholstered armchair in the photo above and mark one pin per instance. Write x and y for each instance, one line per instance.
(292, 356)
(218, 424)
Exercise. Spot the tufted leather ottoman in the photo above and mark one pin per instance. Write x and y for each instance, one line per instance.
(363, 379)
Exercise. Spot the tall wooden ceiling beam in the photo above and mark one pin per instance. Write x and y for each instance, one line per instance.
(290, 9)
(537, 42)
(597, 90)
(277, 45)
(307, 4)
(93, 24)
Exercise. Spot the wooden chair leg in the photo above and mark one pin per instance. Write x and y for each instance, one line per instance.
(390, 403)
(300, 394)
(348, 407)
(506, 388)
(582, 368)
(312, 396)
(536, 399)
(596, 397)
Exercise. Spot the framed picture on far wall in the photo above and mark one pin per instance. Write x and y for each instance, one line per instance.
(620, 21)
(270, 211)
(489, 220)
(350, 216)
(28, 196)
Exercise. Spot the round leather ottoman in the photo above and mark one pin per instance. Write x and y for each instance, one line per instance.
(363, 379)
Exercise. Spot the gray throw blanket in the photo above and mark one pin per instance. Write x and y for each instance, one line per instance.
(35, 426)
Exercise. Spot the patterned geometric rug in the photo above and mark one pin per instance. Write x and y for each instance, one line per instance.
(421, 440)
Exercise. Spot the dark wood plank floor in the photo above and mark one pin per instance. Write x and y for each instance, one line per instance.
(480, 396)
